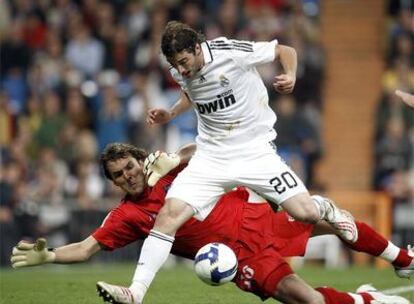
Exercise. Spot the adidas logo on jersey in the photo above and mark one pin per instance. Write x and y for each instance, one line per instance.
(202, 79)
(223, 100)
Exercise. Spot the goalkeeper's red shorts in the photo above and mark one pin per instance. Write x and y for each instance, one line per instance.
(266, 241)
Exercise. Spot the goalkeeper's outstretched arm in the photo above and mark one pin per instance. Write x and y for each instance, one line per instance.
(28, 254)
(77, 252)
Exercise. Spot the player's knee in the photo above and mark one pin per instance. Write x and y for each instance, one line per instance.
(292, 289)
(172, 215)
(164, 219)
(302, 209)
(309, 214)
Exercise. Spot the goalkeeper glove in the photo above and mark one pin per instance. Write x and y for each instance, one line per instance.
(27, 254)
(158, 164)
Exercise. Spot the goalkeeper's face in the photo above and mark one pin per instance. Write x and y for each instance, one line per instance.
(127, 174)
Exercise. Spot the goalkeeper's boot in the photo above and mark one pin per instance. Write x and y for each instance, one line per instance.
(115, 294)
(406, 272)
(379, 297)
(340, 220)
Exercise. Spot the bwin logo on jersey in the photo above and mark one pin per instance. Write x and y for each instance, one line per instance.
(223, 100)
(224, 82)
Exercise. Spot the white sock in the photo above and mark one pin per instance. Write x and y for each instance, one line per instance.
(154, 253)
(357, 298)
(390, 253)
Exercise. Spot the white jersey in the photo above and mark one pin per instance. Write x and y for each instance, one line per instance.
(229, 96)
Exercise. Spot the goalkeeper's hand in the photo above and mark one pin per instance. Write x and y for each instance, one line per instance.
(27, 254)
(158, 164)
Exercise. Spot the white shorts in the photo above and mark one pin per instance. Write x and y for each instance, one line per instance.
(207, 177)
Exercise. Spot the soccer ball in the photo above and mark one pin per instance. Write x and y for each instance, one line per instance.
(215, 264)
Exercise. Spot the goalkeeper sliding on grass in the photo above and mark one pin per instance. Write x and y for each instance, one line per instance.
(241, 219)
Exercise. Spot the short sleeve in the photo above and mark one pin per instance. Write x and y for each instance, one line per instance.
(115, 231)
(247, 53)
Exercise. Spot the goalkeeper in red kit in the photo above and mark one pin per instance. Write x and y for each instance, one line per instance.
(241, 219)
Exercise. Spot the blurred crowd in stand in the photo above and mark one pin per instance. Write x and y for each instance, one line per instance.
(79, 74)
(394, 131)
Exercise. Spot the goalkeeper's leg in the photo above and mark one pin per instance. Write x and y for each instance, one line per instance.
(292, 289)
(371, 242)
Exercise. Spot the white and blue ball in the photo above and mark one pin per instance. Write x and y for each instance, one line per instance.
(215, 264)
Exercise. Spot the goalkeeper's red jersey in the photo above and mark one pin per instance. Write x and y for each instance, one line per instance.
(233, 221)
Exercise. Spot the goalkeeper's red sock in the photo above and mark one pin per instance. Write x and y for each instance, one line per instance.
(333, 296)
(371, 242)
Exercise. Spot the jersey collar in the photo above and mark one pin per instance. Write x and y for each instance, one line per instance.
(208, 56)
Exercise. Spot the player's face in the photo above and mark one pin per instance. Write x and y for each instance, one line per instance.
(188, 64)
(127, 173)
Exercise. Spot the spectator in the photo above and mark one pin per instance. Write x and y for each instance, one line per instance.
(393, 153)
(14, 54)
(112, 124)
(136, 20)
(52, 123)
(9, 178)
(85, 185)
(30, 122)
(297, 141)
(119, 53)
(191, 15)
(137, 107)
(7, 129)
(84, 52)
(14, 83)
(35, 31)
(51, 66)
(76, 110)
(46, 192)
(391, 106)
(106, 22)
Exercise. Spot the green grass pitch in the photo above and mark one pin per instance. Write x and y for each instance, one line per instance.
(76, 284)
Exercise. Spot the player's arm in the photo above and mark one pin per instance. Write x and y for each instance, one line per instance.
(158, 164)
(77, 252)
(162, 116)
(186, 152)
(406, 97)
(285, 83)
(29, 254)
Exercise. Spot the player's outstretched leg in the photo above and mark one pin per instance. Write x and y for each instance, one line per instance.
(115, 294)
(366, 294)
(406, 271)
(292, 289)
(371, 242)
(340, 220)
(380, 298)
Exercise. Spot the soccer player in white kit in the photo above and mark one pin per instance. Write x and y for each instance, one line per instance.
(220, 82)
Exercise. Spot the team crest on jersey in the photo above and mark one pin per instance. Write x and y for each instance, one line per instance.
(224, 82)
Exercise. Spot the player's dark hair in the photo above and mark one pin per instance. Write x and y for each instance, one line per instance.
(178, 37)
(115, 151)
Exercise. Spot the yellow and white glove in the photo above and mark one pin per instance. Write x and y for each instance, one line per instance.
(27, 254)
(158, 164)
